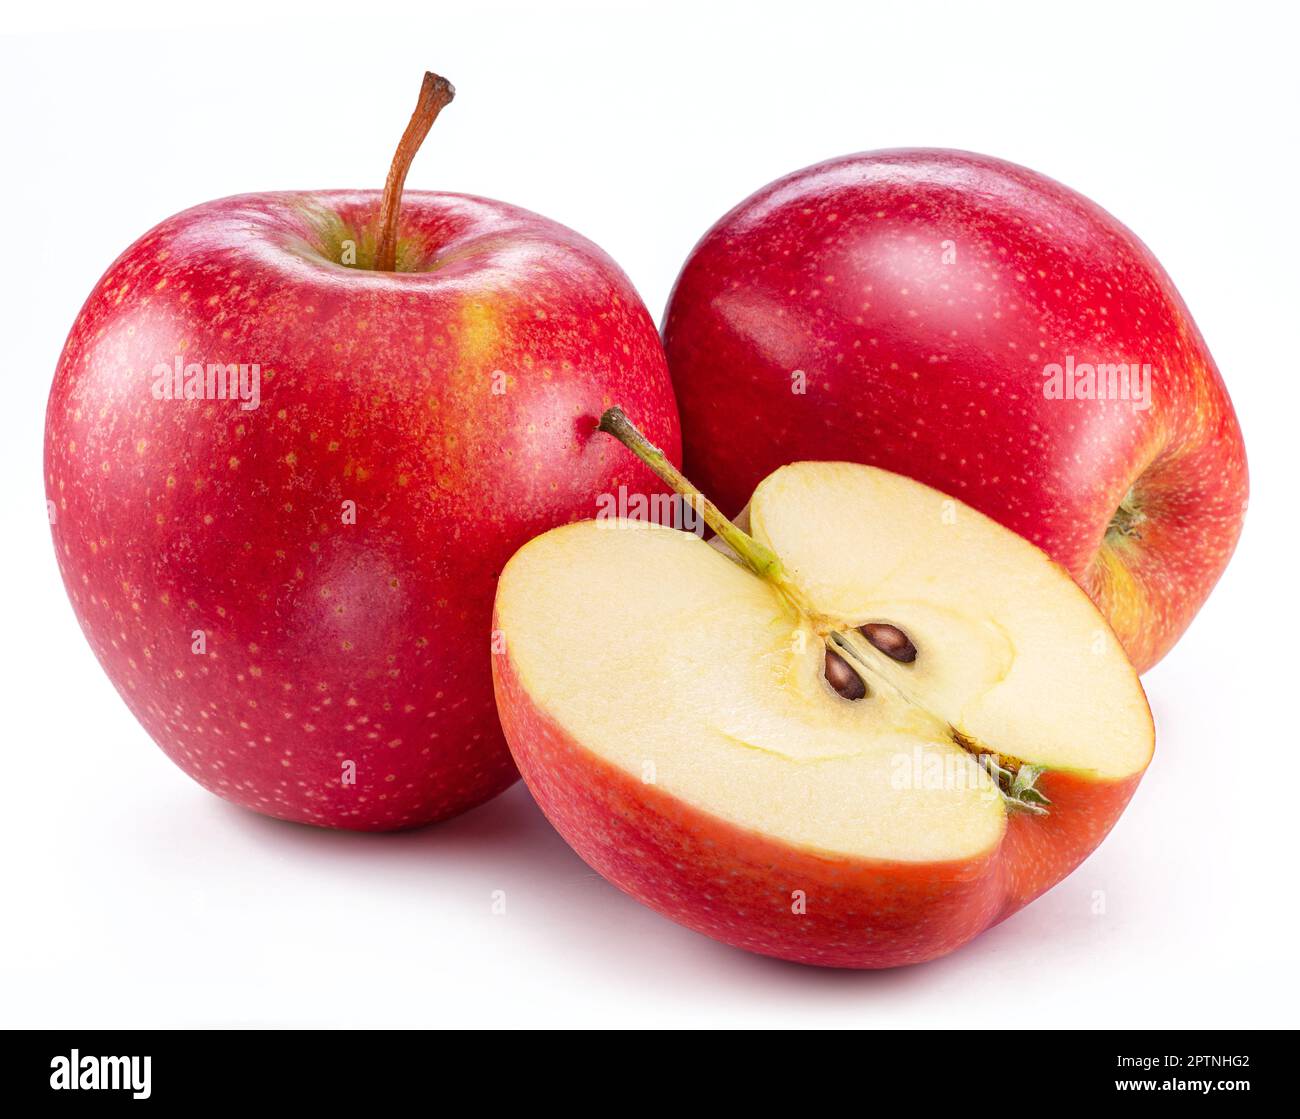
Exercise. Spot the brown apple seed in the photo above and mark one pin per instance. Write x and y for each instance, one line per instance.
(842, 678)
(890, 640)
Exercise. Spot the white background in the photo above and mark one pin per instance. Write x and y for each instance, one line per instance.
(130, 897)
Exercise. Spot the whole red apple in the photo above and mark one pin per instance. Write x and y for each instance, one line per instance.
(292, 440)
(987, 331)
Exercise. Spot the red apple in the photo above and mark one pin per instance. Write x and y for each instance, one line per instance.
(289, 577)
(945, 315)
(858, 735)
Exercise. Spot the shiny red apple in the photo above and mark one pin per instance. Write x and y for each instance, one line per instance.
(987, 331)
(292, 440)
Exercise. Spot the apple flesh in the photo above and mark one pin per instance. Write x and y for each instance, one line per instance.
(678, 719)
(294, 598)
(900, 308)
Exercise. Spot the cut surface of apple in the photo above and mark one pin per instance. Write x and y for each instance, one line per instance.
(708, 696)
(1016, 658)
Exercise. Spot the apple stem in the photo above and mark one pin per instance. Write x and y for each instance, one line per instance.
(435, 95)
(758, 557)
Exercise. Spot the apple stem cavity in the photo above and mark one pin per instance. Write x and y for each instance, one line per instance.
(758, 557)
(436, 94)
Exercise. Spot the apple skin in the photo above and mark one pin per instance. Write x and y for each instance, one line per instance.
(328, 642)
(737, 886)
(922, 292)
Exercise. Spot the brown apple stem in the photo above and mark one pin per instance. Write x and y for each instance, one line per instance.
(759, 558)
(435, 95)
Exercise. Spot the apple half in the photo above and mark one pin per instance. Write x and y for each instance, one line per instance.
(855, 736)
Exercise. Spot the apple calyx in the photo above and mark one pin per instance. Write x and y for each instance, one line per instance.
(436, 94)
(849, 667)
(1016, 786)
(1127, 519)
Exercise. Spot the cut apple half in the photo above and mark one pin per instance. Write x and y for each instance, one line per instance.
(877, 704)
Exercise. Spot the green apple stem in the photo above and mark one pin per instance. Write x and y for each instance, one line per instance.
(759, 558)
(435, 95)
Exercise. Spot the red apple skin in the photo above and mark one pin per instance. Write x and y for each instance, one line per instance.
(330, 643)
(922, 292)
(738, 886)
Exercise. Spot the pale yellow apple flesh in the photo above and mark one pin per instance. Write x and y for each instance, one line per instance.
(682, 668)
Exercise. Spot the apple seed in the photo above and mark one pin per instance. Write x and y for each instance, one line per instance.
(841, 677)
(890, 640)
